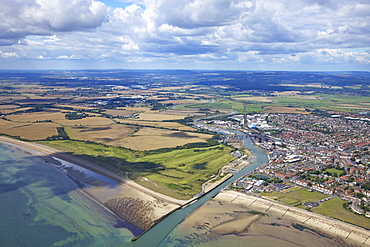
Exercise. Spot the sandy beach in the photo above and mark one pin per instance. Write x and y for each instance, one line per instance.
(225, 215)
(126, 192)
(235, 219)
(347, 232)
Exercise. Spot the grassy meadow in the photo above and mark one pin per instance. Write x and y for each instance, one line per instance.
(334, 208)
(345, 103)
(331, 208)
(179, 172)
(295, 196)
(288, 102)
(227, 104)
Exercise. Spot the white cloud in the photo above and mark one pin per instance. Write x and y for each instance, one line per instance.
(8, 54)
(41, 17)
(52, 38)
(251, 31)
(201, 13)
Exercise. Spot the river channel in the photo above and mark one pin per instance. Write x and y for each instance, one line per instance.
(156, 235)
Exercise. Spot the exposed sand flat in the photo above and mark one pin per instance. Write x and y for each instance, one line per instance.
(42, 149)
(236, 226)
(124, 190)
(226, 223)
(345, 231)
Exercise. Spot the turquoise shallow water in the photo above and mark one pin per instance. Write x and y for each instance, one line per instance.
(41, 206)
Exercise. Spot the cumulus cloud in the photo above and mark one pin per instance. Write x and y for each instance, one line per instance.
(201, 13)
(243, 31)
(8, 54)
(20, 18)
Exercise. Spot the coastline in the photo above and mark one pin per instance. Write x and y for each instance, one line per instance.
(102, 190)
(162, 205)
(347, 232)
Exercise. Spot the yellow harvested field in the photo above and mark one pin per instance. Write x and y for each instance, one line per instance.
(104, 133)
(168, 125)
(185, 101)
(151, 138)
(35, 96)
(181, 112)
(54, 115)
(259, 99)
(135, 109)
(158, 117)
(115, 113)
(11, 98)
(8, 107)
(173, 88)
(89, 121)
(92, 114)
(285, 93)
(76, 107)
(35, 131)
(281, 109)
(15, 110)
(4, 124)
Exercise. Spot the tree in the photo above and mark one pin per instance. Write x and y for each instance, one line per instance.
(360, 195)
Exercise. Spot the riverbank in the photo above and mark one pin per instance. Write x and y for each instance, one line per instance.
(106, 189)
(346, 232)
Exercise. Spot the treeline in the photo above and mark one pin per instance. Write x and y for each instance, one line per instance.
(62, 135)
(75, 115)
(209, 143)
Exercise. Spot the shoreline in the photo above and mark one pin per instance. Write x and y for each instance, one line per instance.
(87, 165)
(105, 186)
(345, 231)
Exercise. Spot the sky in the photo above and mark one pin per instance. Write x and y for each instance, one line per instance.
(291, 35)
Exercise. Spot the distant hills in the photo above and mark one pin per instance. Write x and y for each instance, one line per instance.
(235, 80)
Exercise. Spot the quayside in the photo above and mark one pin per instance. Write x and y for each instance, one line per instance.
(155, 235)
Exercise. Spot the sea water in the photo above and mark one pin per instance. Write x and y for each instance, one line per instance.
(41, 206)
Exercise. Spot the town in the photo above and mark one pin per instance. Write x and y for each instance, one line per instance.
(329, 154)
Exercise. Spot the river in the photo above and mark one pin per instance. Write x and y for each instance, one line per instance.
(42, 206)
(156, 235)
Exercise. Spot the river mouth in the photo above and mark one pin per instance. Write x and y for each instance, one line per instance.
(97, 223)
(220, 222)
(163, 229)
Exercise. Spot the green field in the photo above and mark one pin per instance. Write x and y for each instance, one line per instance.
(343, 103)
(331, 208)
(296, 196)
(230, 105)
(334, 171)
(179, 173)
(187, 169)
(334, 208)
